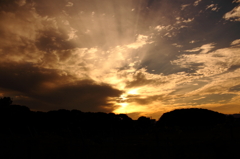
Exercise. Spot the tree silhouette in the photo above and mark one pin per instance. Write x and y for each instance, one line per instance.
(5, 101)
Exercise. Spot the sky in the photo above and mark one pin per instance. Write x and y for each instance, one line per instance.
(139, 57)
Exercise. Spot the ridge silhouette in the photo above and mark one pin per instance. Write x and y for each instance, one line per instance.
(75, 134)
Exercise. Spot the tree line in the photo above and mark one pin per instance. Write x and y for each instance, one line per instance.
(75, 134)
(17, 119)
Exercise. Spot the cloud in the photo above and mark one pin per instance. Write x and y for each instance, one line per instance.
(54, 89)
(141, 41)
(139, 79)
(52, 39)
(28, 77)
(143, 100)
(220, 68)
(72, 34)
(204, 48)
(196, 2)
(26, 36)
(56, 65)
(233, 15)
(21, 2)
(213, 63)
(85, 95)
(175, 44)
(236, 1)
(184, 6)
(220, 84)
(159, 27)
(182, 20)
(188, 20)
(69, 4)
(213, 7)
(236, 42)
(14, 26)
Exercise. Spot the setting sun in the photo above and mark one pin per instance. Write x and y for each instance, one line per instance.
(92, 78)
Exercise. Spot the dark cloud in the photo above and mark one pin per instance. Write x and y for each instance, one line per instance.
(53, 39)
(24, 77)
(8, 5)
(235, 88)
(49, 8)
(29, 85)
(233, 68)
(84, 95)
(139, 79)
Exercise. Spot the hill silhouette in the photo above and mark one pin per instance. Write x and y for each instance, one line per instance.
(184, 133)
(193, 118)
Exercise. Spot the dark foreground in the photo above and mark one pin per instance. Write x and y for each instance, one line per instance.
(215, 143)
(64, 134)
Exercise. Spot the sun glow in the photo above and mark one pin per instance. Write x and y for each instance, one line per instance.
(123, 97)
(122, 108)
(133, 91)
(123, 105)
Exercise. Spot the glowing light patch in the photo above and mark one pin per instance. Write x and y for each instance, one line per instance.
(122, 109)
(123, 104)
(134, 91)
(123, 97)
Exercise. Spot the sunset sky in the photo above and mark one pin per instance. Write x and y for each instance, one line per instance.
(140, 57)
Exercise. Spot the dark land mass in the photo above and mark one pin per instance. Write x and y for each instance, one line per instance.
(69, 134)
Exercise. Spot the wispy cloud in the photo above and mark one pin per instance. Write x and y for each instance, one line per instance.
(233, 15)
(69, 4)
(220, 67)
(196, 2)
(236, 42)
(204, 48)
(141, 41)
(184, 6)
(213, 7)
(21, 2)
